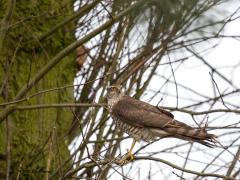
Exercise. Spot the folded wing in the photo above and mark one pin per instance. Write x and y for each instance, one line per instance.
(141, 114)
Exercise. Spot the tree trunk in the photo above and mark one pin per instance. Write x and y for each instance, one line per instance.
(29, 141)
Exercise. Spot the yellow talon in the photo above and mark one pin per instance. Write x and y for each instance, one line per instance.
(130, 156)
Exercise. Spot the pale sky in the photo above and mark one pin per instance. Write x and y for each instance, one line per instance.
(195, 75)
(192, 73)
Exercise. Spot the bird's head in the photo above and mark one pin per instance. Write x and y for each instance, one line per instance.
(113, 92)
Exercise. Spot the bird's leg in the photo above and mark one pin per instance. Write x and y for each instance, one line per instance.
(129, 156)
(130, 150)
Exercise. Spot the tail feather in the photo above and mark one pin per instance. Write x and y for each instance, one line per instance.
(199, 135)
(209, 140)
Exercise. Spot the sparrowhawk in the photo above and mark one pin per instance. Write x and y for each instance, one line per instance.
(143, 121)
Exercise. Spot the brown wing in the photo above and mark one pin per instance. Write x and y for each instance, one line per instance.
(142, 114)
(146, 106)
(138, 113)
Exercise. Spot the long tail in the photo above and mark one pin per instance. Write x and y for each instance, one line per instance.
(199, 135)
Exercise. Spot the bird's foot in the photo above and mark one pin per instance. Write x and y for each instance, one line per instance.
(130, 156)
(126, 159)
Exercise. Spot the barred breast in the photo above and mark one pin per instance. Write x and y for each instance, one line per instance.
(138, 133)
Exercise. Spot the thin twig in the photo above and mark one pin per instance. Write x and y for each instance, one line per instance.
(182, 169)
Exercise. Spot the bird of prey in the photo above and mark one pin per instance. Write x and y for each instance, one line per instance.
(143, 121)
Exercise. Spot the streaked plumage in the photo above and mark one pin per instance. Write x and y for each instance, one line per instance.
(145, 122)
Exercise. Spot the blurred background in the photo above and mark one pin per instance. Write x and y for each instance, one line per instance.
(58, 58)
